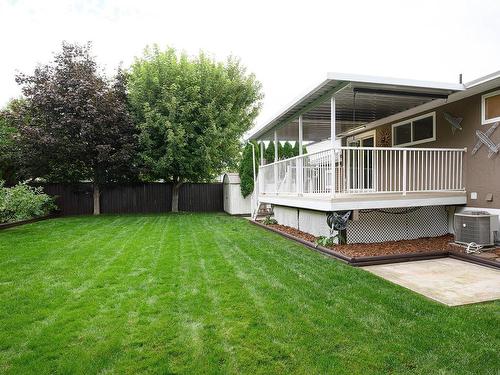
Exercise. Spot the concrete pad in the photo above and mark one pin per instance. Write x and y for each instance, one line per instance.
(446, 280)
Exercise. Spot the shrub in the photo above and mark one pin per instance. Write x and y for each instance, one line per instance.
(23, 202)
(269, 220)
(246, 169)
(329, 241)
(269, 153)
(296, 149)
(287, 150)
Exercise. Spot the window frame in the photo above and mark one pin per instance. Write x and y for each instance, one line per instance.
(411, 121)
(484, 121)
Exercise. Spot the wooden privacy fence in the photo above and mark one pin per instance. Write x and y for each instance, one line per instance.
(76, 199)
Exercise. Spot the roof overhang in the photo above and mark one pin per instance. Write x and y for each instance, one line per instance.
(359, 100)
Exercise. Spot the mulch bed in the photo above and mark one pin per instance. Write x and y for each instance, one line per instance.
(418, 246)
(363, 254)
(294, 232)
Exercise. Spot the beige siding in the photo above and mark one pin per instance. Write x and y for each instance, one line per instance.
(482, 174)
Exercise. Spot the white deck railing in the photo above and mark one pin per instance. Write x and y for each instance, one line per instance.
(365, 170)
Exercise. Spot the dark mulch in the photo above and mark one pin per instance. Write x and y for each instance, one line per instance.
(294, 232)
(417, 246)
(420, 245)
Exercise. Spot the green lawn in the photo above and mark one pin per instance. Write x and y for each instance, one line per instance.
(208, 293)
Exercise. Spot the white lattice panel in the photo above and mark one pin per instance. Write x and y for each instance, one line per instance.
(397, 224)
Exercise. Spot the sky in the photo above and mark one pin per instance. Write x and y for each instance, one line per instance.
(289, 45)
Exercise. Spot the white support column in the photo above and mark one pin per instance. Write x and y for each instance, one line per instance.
(301, 132)
(333, 130)
(300, 161)
(333, 133)
(261, 153)
(275, 168)
(275, 145)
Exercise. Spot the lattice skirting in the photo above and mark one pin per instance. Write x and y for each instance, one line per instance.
(394, 224)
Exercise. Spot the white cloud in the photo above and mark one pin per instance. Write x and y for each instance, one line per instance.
(289, 45)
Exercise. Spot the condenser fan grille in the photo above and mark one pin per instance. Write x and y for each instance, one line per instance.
(473, 228)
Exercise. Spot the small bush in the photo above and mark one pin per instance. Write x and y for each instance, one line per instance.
(23, 202)
(328, 241)
(324, 241)
(269, 220)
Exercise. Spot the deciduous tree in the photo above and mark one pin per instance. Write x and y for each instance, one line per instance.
(74, 124)
(191, 114)
(9, 155)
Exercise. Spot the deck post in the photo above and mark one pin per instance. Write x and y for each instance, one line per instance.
(276, 146)
(275, 168)
(333, 139)
(404, 172)
(300, 161)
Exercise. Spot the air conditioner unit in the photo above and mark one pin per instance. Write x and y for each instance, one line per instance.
(476, 226)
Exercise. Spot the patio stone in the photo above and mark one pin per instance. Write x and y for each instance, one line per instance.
(446, 280)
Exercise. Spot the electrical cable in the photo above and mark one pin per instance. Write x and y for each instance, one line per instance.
(473, 247)
(403, 212)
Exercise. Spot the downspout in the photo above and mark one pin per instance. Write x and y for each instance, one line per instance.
(255, 192)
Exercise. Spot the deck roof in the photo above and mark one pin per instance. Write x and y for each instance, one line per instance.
(359, 100)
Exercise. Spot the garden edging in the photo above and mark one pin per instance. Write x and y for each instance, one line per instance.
(19, 223)
(382, 259)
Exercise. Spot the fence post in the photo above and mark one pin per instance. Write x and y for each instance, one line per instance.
(404, 172)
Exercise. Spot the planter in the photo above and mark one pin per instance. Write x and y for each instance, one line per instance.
(18, 223)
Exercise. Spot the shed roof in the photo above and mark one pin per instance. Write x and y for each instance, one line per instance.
(231, 178)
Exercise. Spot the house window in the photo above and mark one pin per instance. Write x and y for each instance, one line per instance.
(490, 107)
(414, 131)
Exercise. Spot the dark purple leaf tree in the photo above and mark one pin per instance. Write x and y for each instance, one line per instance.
(74, 124)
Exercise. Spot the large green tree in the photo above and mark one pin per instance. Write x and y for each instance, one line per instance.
(74, 123)
(191, 114)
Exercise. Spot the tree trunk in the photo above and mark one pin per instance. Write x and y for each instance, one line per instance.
(97, 196)
(175, 196)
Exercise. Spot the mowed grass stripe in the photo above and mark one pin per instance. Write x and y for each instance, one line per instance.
(208, 293)
(69, 309)
(240, 312)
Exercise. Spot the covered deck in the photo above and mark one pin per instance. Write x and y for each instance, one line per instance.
(344, 176)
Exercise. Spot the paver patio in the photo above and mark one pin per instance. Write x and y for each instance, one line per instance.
(449, 281)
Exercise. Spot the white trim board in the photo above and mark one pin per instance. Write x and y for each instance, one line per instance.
(411, 121)
(485, 121)
(353, 204)
(368, 79)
